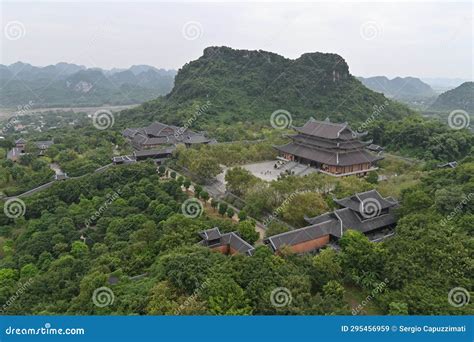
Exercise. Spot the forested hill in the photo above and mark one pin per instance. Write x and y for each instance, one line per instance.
(243, 85)
(461, 97)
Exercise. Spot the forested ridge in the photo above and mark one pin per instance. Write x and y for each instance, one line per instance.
(247, 86)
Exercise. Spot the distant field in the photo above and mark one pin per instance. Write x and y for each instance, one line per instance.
(8, 112)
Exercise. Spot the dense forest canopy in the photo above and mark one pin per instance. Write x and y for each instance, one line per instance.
(146, 252)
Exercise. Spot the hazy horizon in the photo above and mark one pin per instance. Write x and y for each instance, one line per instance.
(424, 40)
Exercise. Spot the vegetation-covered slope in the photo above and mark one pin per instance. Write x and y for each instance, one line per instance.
(243, 85)
(461, 97)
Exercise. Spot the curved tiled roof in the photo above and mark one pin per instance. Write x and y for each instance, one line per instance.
(297, 236)
(327, 157)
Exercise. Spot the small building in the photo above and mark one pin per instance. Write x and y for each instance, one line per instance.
(450, 165)
(43, 146)
(123, 160)
(366, 212)
(375, 148)
(159, 134)
(158, 155)
(60, 176)
(227, 243)
(332, 148)
(21, 144)
(15, 153)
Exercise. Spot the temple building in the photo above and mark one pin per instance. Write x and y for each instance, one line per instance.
(367, 212)
(160, 135)
(332, 148)
(157, 155)
(227, 243)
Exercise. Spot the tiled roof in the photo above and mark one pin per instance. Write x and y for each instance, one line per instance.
(326, 129)
(350, 220)
(44, 144)
(196, 139)
(145, 153)
(327, 157)
(159, 133)
(357, 201)
(329, 144)
(350, 217)
(294, 237)
(237, 243)
(233, 240)
(210, 234)
(452, 165)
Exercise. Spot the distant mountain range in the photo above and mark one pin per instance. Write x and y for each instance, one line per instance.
(67, 84)
(442, 84)
(400, 88)
(248, 86)
(461, 97)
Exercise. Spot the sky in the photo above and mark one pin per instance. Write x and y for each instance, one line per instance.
(421, 39)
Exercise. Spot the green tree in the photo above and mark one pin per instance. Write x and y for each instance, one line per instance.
(326, 267)
(204, 195)
(239, 180)
(186, 184)
(222, 208)
(246, 230)
(230, 212)
(398, 309)
(205, 167)
(297, 206)
(214, 203)
(242, 215)
(372, 178)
